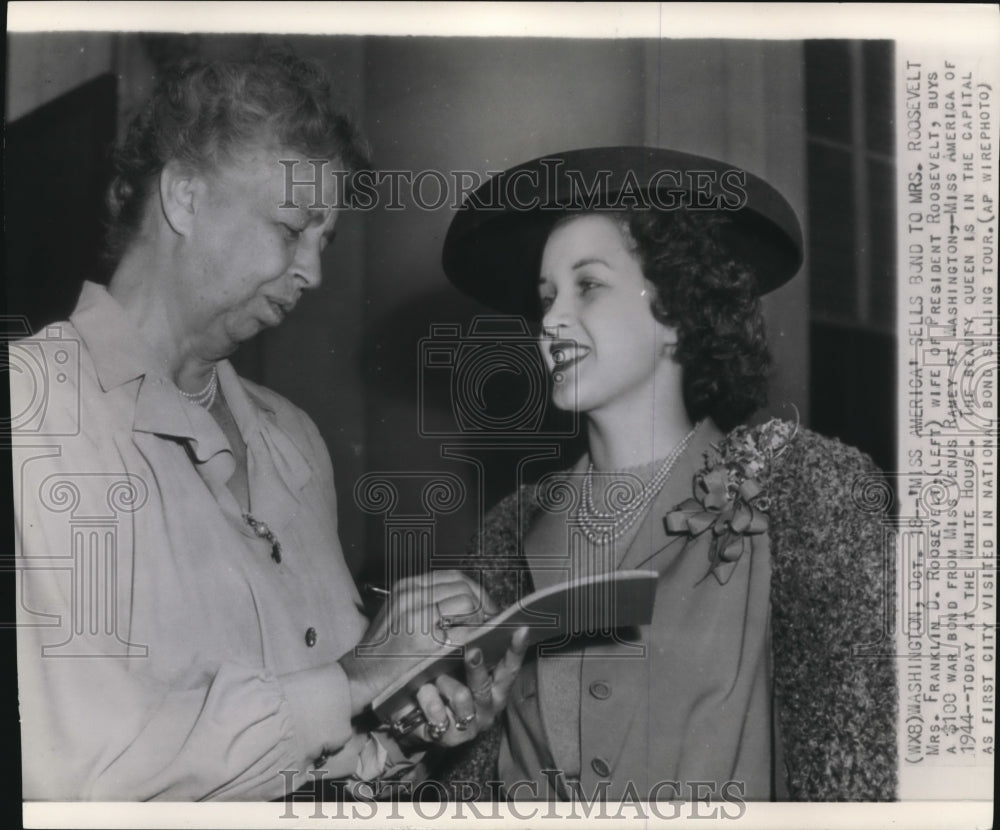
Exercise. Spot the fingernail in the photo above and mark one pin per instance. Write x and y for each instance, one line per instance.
(476, 658)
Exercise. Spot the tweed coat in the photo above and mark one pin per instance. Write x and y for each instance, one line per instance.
(834, 710)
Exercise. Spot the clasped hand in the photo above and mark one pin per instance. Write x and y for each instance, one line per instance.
(421, 614)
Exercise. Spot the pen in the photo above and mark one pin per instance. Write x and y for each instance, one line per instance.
(375, 589)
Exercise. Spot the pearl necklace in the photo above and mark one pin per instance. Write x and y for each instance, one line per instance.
(595, 522)
(206, 397)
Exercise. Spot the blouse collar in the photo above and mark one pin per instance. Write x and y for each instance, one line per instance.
(121, 355)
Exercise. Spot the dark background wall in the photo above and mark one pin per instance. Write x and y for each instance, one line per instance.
(351, 354)
(851, 167)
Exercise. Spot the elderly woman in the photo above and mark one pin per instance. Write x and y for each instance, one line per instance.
(645, 267)
(187, 621)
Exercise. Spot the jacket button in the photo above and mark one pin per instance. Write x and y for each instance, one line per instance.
(600, 766)
(310, 637)
(600, 690)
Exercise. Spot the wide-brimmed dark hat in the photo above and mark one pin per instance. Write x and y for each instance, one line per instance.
(494, 245)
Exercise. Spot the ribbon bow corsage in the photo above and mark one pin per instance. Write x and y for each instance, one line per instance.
(731, 511)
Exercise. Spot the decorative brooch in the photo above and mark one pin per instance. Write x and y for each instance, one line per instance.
(730, 500)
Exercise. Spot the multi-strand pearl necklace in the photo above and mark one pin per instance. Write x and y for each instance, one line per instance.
(595, 523)
(206, 397)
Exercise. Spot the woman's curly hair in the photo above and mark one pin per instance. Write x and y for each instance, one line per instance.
(711, 298)
(202, 112)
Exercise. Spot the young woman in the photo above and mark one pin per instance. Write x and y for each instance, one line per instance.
(645, 267)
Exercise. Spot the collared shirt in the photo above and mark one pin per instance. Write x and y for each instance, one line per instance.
(165, 649)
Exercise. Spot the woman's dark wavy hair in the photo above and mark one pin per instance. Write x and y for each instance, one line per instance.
(202, 112)
(711, 299)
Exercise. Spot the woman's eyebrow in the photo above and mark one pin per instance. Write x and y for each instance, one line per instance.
(590, 260)
(580, 263)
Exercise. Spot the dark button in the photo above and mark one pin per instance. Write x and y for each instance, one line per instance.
(600, 690)
(310, 637)
(600, 766)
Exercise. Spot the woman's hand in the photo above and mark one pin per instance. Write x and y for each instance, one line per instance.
(456, 712)
(412, 624)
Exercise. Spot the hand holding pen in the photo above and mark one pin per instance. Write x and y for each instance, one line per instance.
(447, 711)
(444, 620)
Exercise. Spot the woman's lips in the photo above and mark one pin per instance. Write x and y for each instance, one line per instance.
(279, 308)
(566, 363)
(565, 356)
(277, 312)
